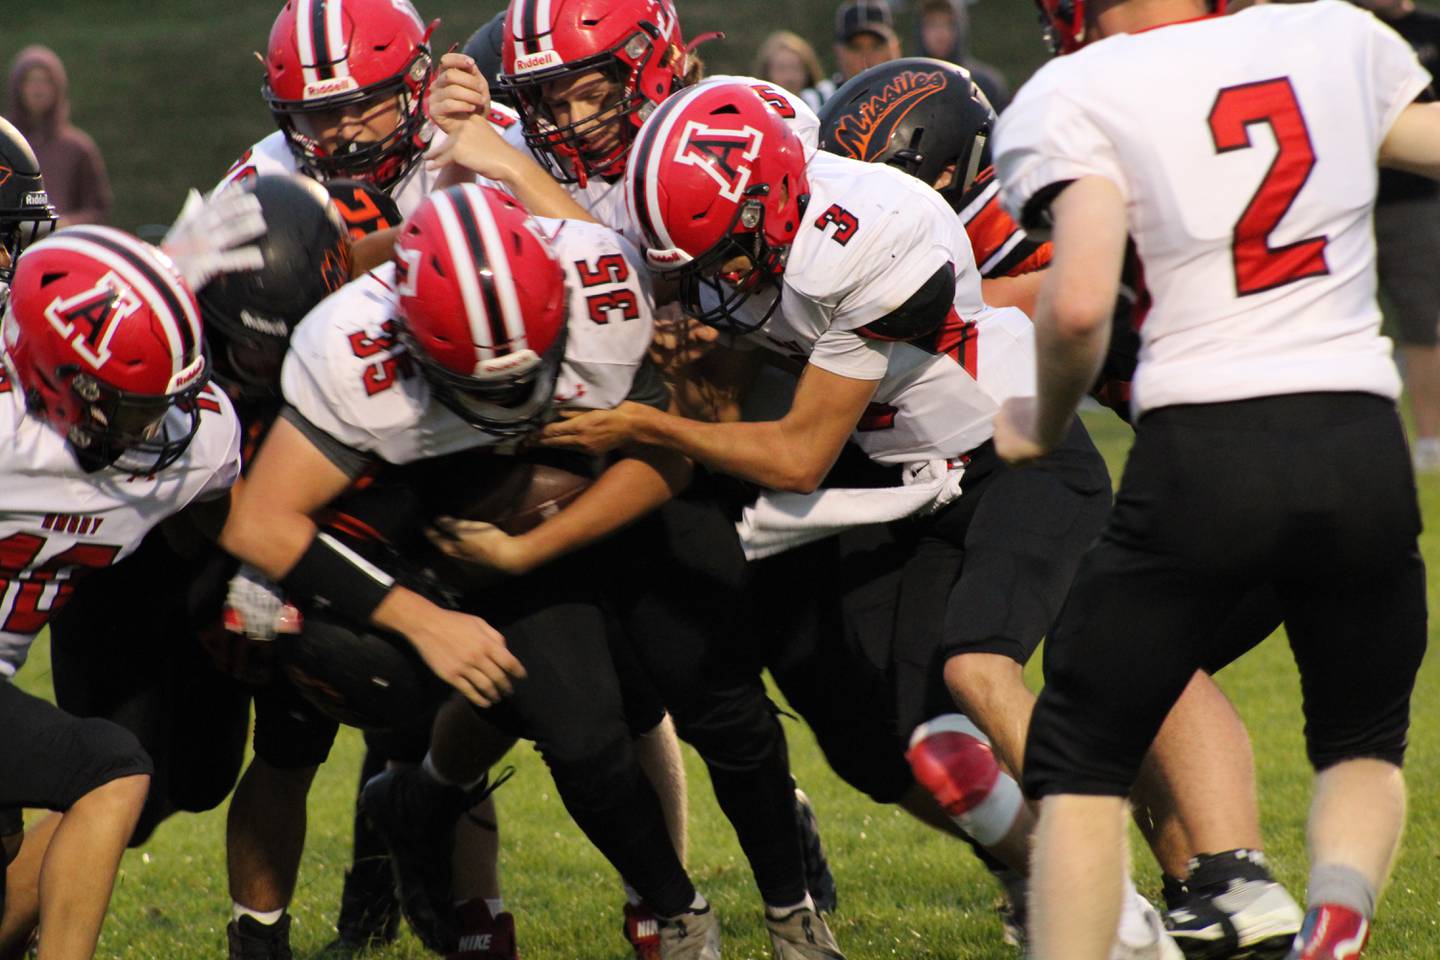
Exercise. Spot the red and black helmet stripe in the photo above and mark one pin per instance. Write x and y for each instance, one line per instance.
(320, 39)
(494, 314)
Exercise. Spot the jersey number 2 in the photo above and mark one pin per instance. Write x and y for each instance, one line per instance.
(1259, 266)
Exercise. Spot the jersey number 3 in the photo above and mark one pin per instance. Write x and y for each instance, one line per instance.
(1259, 266)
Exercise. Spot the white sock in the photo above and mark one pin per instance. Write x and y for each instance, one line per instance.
(631, 897)
(267, 917)
(699, 903)
(1135, 929)
(496, 905)
(775, 913)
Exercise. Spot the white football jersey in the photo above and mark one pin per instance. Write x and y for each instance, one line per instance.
(1245, 147)
(272, 155)
(347, 374)
(870, 237)
(605, 201)
(57, 521)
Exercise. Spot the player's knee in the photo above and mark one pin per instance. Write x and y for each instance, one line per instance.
(100, 753)
(733, 736)
(975, 678)
(951, 758)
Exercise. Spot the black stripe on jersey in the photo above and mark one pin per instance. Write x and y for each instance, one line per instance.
(499, 336)
(178, 310)
(1023, 251)
(319, 41)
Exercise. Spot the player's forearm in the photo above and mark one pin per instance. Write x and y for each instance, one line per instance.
(629, 488)
(537, 191)
(1413, 142)
(270, 542)
(1067, 363)
(768, 453)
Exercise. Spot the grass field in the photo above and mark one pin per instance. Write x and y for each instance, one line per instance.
(905, 892)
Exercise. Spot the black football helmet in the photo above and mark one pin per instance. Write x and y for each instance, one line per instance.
(26, 214)
(249, 315)
(917, 114)
(364, 207)
(484, 48)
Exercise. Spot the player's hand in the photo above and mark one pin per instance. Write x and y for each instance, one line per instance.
(1015, 439)
(481, 543)
(255, 612)
(679, 341)
(595, 432)
(475, 145)
(467, 653)
(457, 92)
(211, 237)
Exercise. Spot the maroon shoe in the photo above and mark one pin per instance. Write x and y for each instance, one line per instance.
(1331, 932)
(483, 937)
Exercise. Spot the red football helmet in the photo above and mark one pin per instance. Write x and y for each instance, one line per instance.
(715, 175)
(483, 307)
(635, 43)
(326, 55)
(1064, 23)
(104, 338)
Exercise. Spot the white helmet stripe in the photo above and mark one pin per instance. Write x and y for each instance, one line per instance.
(335, 36)
(499, 262)
(305, 39)
(152, 296)
(462, 263)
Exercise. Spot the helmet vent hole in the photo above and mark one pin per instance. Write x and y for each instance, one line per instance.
(48, 278)
(727, 108)
(437, 266)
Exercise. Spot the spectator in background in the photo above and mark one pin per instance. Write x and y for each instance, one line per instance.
(787, 60)
(69, 160)
(944, 28)
(864, 36)
(1407, 237)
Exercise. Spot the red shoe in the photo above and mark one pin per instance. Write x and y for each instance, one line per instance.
(1331, 932)
(642, 930)
(483, 937)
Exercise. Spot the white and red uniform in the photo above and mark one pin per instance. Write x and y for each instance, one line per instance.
(870, 238)
(272, 156)
(348, 375)
(57, 521)
(1249, 196)
(605, 200)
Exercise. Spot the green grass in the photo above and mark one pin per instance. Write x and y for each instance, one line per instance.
(905, 892)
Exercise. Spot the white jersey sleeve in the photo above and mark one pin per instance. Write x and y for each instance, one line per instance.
(269, 156)
(872, 237)
(347, 375)
(611, 314)
(1048, 141)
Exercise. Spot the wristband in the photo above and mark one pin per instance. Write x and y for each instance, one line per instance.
(332, 575)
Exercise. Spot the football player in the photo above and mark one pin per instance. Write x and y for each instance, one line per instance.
(484, 321)
(111, 428)
(881, 309)
(928, 118)
(1261, 344)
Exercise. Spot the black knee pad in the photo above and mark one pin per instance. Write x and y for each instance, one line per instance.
(290, 734)
(591, 773)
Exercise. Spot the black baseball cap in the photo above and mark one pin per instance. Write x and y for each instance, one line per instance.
(864, 16)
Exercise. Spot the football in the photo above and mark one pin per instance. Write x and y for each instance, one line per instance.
(517, 494)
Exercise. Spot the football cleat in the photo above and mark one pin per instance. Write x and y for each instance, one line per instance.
(483, 937)
(415, 817)
(252, 940)
(642, 931)
(1331, 932)
(802, 935)
(693, 935)
(1233, 908)
(1012, 907)
(818, 879)
(369, 911)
